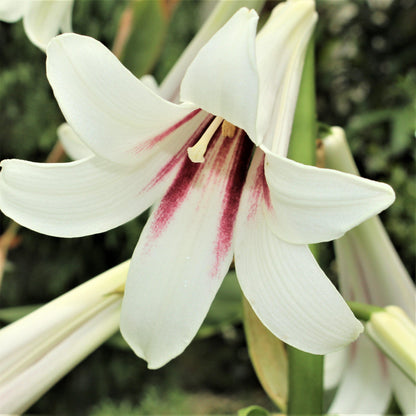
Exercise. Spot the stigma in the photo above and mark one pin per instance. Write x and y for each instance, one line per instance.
(196, 152)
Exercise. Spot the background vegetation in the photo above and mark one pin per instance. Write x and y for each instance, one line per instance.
(366, 82)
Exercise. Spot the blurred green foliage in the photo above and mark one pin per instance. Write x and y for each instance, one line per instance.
(366, 82)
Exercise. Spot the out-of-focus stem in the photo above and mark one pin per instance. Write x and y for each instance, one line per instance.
(6, 240)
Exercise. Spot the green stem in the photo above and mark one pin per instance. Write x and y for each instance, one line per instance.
(305, 370)
(305, 383)
(304, 131)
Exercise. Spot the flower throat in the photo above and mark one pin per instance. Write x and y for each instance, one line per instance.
(196, 152)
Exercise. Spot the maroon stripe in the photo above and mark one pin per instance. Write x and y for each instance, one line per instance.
(181, 155)
(236, 151)
(258, 188)
(182, 183)
(237, 178)
(154, 140)
(265, 187)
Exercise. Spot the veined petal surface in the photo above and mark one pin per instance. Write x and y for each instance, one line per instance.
(72, 144)
(26, 339)
(114, 113)
(184, 252)
(281, 46)
(334, 367)
(29, 384)
(283, 283)
(150, 82)
(365, 387)
(404, 390)
(12, 10)
(44, 19)
(222, 79)
(311, 205)
(370, 270)
(85, 197)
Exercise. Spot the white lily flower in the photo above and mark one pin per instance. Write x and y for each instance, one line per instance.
(147, 149)
(370, 271)
(42, 19)
(39, 349)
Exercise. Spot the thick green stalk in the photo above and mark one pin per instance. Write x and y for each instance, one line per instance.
(305, 370)
(305, 383)
(304, 131)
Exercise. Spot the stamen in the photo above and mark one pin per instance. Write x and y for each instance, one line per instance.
(197, 151)
(228, 129)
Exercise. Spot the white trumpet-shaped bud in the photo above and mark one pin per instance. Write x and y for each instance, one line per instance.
(39, 349)
(395, 334)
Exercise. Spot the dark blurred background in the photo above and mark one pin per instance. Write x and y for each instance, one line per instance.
(366, 83)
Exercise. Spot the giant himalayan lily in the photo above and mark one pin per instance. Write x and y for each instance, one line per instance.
(370, 271)
(198, 162)
(42, 19)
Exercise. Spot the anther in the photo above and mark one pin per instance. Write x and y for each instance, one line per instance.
(228, 129)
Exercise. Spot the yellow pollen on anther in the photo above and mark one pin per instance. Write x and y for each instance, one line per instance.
(228, 129)
(196, 152)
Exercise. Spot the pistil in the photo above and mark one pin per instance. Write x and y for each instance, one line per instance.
(196, 153)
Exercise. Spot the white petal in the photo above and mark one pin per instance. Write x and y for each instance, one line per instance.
(222, 12)
(110, 110)
(334, 366)
(12, 10)
(72, 144)
(312, 205)
(370, 269)
(44, 19)
(222, 79)
(283, 283)
(281, 46)
(66, 21)
(365, 387)
(83, 197)
(404, 390)
(183, 254)
(150, 82)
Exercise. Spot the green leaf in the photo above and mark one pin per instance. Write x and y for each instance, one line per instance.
(402, 120)
(143, 29)
(253, 411)
(9, 315)
(268, 356)
(403, 128)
